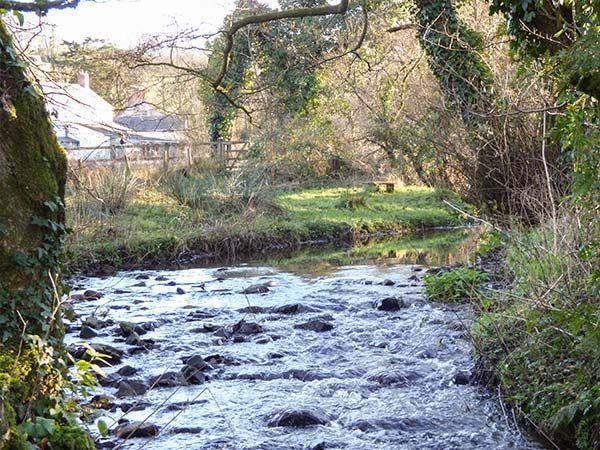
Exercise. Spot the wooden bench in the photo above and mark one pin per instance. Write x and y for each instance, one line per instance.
(389, 186)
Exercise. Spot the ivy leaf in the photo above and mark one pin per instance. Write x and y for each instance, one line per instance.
(103, 428)
(19, 17)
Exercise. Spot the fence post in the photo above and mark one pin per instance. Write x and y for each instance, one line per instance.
(165, 156)
(127, 167)
(189, 156)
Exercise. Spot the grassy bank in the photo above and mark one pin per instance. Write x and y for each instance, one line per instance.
(539, 339)
(155, 226)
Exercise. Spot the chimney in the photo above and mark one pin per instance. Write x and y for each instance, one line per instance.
(136, 98)
(83, 79)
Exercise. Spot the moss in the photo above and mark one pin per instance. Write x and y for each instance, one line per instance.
(32, 173)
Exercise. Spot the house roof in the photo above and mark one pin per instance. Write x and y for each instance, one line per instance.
(72, 104)
(145, 117)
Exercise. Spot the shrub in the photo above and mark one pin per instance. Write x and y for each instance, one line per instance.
(455, 285)
(108, 189)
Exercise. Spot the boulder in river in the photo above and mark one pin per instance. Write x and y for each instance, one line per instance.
(253, 310)
(392, 377)
(87, 332)
(256, 289)
(192, 375)
(315, 325)
(131, 388)
(168, 379)
(92, 295)
(388, 282)
(197, 362)
(180, 291)
(136, 430)
(293, 308)
(246, 328)
(109, 355)
(298, 417)
(390, 304)
(127, 371)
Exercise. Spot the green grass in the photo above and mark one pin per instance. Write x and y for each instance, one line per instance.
(154, 226)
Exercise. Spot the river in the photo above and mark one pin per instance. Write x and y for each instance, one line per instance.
(342, 356)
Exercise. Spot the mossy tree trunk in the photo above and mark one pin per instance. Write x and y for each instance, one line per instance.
(32, 182)
(467, 84)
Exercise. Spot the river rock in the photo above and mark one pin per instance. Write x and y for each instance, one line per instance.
(111, 355)
(87, 332)
(136, 430)
(298, 417)
(168, 379)
(140, 284)
(161, 278)
(256, 289)
(180, 291)
(127, 371)
(388, 282)
(390, 304)
(462, 378)
(133, 339)
(192, 375)
(315, 325)
(294, 308)
(253, 310)
(197, 362)
(92, 295)
(392, 377)
(143, 276)
(220, 360)
(246, 328)
(110, 380)
(131, 388)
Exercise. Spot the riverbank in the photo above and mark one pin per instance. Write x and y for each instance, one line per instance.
(536, 334)
(153, 229)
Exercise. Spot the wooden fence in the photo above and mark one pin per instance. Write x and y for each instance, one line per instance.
(229, 154)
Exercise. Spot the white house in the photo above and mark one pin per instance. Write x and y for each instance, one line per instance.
(88, 126)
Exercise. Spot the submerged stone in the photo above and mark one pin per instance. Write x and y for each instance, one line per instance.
(298, 417)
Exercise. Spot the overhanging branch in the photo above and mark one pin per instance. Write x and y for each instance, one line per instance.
(339, 8)
(39, 6)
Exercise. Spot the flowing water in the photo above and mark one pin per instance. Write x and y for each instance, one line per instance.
(369, 379)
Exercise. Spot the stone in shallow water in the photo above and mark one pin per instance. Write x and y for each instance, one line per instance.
(392, 377)
(390, 304)
(315, 325)
(388, 282)
(256, 289)
(127, 371)
(246, 328)
(135, 430)
(294, 308)
(87, 332)
(168, 379)
(298, 417)
(131, 388)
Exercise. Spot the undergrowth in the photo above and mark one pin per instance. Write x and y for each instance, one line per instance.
(455, 285)
(541, 341)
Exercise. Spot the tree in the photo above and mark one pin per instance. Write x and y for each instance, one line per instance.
(32, 181)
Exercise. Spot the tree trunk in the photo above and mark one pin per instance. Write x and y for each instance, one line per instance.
(32, 183)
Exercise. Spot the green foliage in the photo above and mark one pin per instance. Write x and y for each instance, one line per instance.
(453, 48)
(455, 285)
(542, 341)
